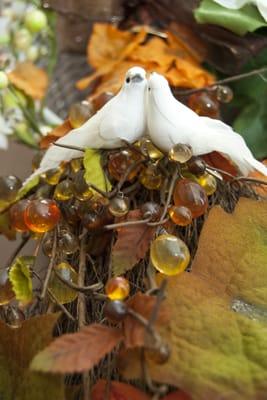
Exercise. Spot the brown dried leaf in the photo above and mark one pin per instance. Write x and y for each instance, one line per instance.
(55, 134)
(30, 79)
(117, 391)
(132, 244)
(134, 332)
(77, 352)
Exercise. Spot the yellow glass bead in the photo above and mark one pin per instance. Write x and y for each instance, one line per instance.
(81, 190)
(119, 206)
(224, 94)
(6, 291)
(64, 190)
(76, 164)
(209, 183)
(180, 153)
(180, 215)
(60, 290)
(149, 149)
(53, 176)
(117, 288)
(151, 178)
(79, 113)
(169, 254)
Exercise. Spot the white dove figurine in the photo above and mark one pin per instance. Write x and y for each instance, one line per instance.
(170, 122)
(122, 118)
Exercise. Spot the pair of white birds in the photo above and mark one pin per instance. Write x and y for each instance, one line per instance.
(147, 107)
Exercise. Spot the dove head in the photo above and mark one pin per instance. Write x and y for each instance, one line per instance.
(157, 82)
(135, 77)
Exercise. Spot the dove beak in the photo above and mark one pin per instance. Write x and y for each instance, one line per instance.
(137, 78)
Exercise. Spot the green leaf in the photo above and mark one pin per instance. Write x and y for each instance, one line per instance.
(25, 189)
(252, 125)
(20, 278)
(94, 173)
(17, 349)
(246, 19)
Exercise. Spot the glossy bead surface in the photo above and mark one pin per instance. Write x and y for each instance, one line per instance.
(169, 254)
(94, 221)
(68, 243)
(115, 310)
(119, 206)
(180, 153)
(120, 162)
(80, 188)
(196, 166)
(151, 178)
(191, 195)
(150, 150)
(62, 292)
(47, 245)
(70, 212)
(158, 355)
(42, 215)
(14, 318)
(209, 183)
(224, 94)
(76, 164)
(204, 104)
(79, 113)
(6, 291)
(52, 176)
(16, 214)
(9, 187)
(117, 288)
(35, 20)
(150, 210)
(180, 215)
(64, 190)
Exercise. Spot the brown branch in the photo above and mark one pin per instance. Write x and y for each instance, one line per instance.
(61, 306)
(67, 146)
(82, 289)
(50, 267)
(13, 256)
(127, 223)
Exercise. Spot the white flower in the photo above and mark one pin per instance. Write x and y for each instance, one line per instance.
(236, 4)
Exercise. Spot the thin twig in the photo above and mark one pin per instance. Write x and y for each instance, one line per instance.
(127, 223)
(221, 82)
(61, 306)
(50, 267)
(13, 256)
(71, 147)
(82, 289)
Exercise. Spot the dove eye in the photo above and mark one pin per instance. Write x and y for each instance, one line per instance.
(128, 80)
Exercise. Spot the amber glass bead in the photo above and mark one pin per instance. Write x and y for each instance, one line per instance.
(224, 94)
(80, 188)
(70, 211)
(180, 215)
(150, 150)
(117, 288)
(191, 195)
(79, 113)
(9, 187)
(209, 183)
(169, 254)
(101, 100)
(36, 160)
(158, 355)
(204, 104)
(16, 214)
(43, 192)
(151, 178)
(42, 215)
(180, 153)
(60, 290)
(64, 190)
(76, 164)
(119, 206)
(6, 291)
(68, 243)
(53, 176)
(14, 318)
(94, 221)
(196, 166)
(120, 162)
(115, 310)
(150, 210)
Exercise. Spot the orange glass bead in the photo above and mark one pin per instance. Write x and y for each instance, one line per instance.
(180, 215)
(169, 254)
(204, 104)
(80, 113)
(151, 178)
(16, 214)
(42, 215)
(117, 288)
(191, 195)
(120, 162)
(6, 291)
